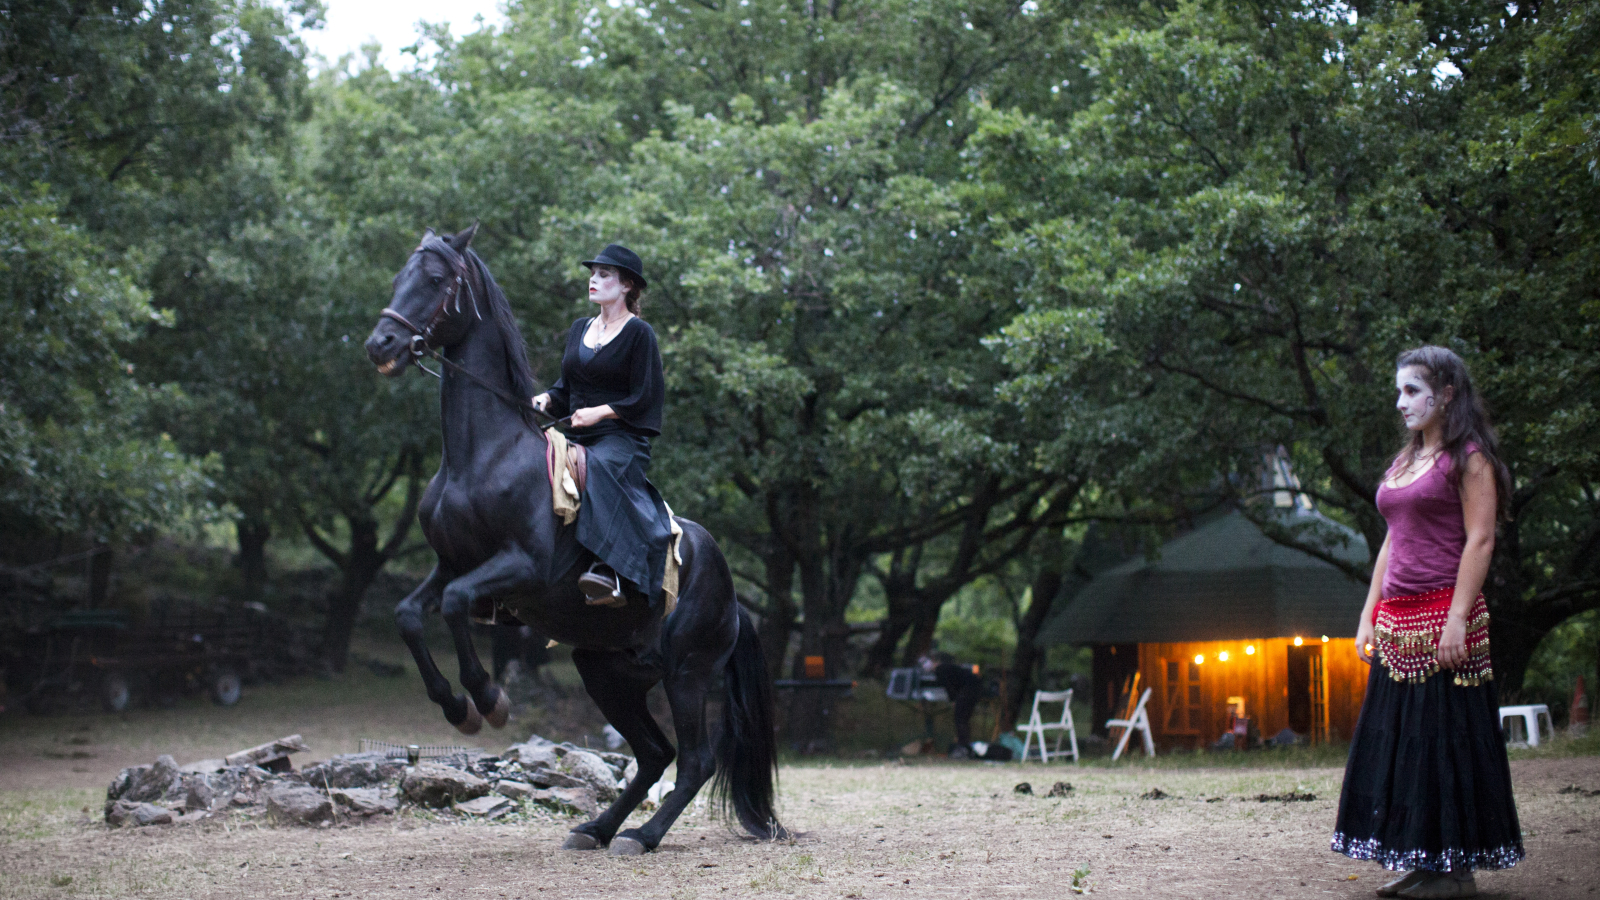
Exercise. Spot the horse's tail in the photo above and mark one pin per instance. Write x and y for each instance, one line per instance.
(747, 749)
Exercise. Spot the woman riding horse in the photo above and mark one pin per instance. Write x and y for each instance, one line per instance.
(611, 384)
(488, 515)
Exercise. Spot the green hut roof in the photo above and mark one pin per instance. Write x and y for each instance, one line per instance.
(1223, 581)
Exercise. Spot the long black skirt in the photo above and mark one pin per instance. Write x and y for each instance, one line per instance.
(1427, 785)
(622, 518)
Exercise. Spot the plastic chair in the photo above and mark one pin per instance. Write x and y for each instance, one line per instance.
(1140, 722)
(1530, 716)
(1036, 726)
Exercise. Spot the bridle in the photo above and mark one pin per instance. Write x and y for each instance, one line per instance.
(422, 338)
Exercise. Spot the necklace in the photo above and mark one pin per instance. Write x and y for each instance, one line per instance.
(601, 340)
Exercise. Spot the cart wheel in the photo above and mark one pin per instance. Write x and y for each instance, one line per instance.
(225, 687)
(115, 692)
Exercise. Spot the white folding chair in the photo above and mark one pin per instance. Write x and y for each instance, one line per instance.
(1140, 722)
(1036, 726)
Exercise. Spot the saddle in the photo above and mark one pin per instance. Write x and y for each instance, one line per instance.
(574, 460)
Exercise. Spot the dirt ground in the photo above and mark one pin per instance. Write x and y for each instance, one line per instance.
(868, 829)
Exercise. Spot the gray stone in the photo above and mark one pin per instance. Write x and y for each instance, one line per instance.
(568, 801)
(197, 793)
(131, 812)
(631, 772)
(438, 786)
(553, 778)
(203, 766)
(273, 755)
(364, 801)
(532, 755)
(297, 803)
(354, 770)
(151, 814)
(485, 806)
(617, 761)
(593, 771)
(147, 784)
(516, 790)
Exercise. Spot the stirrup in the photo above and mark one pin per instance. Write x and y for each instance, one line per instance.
(601, 588)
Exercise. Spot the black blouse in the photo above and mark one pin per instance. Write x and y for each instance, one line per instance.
(625, 373)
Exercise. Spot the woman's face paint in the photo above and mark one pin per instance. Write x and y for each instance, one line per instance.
(1416, 401)
(605, 286)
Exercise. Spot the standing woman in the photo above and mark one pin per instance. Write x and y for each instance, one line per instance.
(611, 384)
(1427, 787)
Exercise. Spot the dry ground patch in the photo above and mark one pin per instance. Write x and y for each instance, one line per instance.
(869, 830)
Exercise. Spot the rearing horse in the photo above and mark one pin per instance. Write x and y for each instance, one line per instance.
(487, 513)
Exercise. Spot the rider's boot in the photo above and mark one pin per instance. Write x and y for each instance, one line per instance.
(602, 586)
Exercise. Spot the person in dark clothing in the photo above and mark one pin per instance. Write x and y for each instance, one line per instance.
(1427, 786)
(612, 386)
(965, 689)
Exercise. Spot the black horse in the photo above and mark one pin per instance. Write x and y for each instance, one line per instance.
(487, 514)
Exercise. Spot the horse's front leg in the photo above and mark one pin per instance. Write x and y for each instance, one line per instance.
(503, 572)
(408, 614)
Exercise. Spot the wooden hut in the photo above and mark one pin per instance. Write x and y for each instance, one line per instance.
(1223, 621)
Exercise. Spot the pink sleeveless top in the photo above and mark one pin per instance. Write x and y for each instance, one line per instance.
(1427, 532)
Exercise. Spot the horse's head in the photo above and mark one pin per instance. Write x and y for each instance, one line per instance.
(433, 304)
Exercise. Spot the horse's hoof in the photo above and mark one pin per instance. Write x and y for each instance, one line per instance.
(501, 713)
(577, 840)
(473, 723)
(625, 846)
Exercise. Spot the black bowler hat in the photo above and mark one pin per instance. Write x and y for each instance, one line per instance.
(620, 257)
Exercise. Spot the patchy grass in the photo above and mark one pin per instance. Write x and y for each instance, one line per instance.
(1562, 746)
(918, 827)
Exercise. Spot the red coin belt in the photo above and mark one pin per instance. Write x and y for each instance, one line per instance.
(1407, 631)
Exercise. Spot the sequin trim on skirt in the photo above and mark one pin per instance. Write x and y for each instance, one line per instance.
(1449, 860)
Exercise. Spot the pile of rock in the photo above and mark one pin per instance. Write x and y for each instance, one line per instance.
(260, 782)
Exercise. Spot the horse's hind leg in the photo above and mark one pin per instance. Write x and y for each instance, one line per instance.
(408, 615)
(502, 572)
(619, 684)
(687, 688)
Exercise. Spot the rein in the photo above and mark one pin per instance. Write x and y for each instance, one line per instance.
(422, 338)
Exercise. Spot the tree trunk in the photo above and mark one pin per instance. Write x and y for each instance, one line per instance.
(362, 564)
(827, 580)
(778, 623)
(900, 590)
(253, 532)
(925, 621)
(1046, 585)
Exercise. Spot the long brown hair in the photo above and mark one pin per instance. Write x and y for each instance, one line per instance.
(1466, 420)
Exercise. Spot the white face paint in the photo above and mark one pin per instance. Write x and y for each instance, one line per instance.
(1416, 401)
(605, 286)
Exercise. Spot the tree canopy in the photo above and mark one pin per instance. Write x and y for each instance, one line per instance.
(937, 282)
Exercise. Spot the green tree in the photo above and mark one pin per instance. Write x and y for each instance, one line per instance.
(1262, 206)
(74, 455)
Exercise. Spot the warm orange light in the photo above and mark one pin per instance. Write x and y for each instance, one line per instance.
(1198, 659)
(1250, 650)
(1298, 641)
(1223, 656)
(1324, 639)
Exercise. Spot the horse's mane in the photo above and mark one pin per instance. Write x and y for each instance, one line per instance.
(518, 371)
